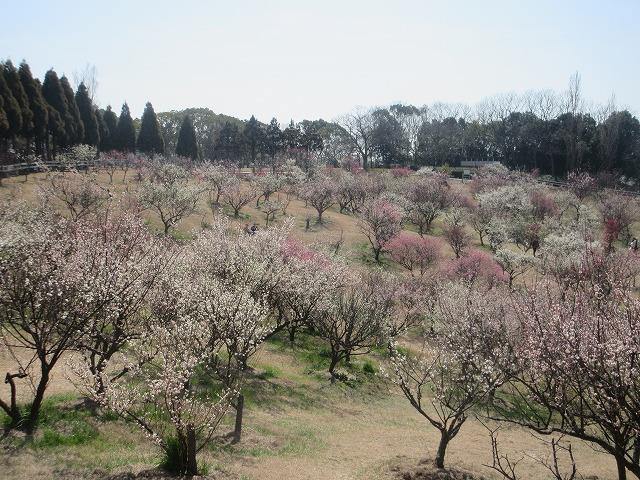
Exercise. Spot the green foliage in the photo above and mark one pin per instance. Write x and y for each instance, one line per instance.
(37, 102)
(150, 139)
(369, 367)
(59, 117)
(12, 78)
(125, 138)
(10, 106)
(108, 138)
(270, 372)
(74, 127)
(187, 143)
(88, 116)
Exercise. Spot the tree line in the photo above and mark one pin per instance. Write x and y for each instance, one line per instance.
(545, 131)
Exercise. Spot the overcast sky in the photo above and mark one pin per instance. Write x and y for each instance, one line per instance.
(302, 59)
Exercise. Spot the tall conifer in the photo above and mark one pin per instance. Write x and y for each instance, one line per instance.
(187, 145)
(150, 139)
(37, 104)
(11, 108)
(88, 116)
(76, 134)
(12, 78)
(125, 138)
(109, 142)
(59, 117)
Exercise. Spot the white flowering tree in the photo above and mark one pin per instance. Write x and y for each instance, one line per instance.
(319, 192)
(46, 301)
(168, 192)
(216, 180)
(576, 361)
(460, 364)
(124, 262)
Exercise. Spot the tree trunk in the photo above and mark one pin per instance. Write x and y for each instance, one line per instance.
(237, 432)
(292, 334)
(191, 463)
(34, 412)
(332, 366)
(442, 449)
(622, 471)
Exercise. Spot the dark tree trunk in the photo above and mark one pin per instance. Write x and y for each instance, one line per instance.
(34, 412)
(237, 432)
(191, 463)
(442, 449)
(622, 471)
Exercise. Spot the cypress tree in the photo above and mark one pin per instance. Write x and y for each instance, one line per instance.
(37, 104)
(4, 123)
(253, 136)
(11, 108)
(150, 139)
(125, 138)
(77, 127)
(88, 116)
(103, 130)
(108, 141)
(59, 117)
(13, 82)
(187, 145)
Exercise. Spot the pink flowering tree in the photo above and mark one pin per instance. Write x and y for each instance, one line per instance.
(460, 364)
(380, 222)
(319, 192)
(416, 254)
(428, 197)
(477, 267)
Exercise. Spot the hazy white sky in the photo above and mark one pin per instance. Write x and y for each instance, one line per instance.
(302, 59)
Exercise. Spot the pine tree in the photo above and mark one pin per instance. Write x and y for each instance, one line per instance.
(88, 116)
(150, 139)
(109, 142)
(59, 117)
(187, 145)
(125, 138)
(11, 108)
(37, 104)
(12, 78)
(77, 127)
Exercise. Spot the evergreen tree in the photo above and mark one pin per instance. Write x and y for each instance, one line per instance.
(59, 117)
(108, 142)
(88, 116)
(187, 145)
(273, 138)
(125, 138)
(228, 145)
(150, 139)
(38, 106)
(11, 108)
(292, 136)
(254, 138)
(209, 144)
(4, 123)
(103, 130)
(12, 78)
(76, 126)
